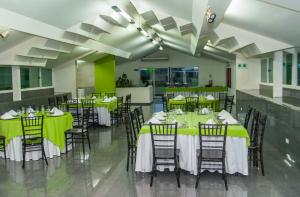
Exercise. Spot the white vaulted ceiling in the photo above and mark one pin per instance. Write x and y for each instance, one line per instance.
(51, 32)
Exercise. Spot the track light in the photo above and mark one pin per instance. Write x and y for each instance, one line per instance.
(143, 32)
(154, 42)
(210, 16)
(123, 13)
(160, 48)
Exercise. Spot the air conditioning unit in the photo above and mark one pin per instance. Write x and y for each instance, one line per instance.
(152, 59)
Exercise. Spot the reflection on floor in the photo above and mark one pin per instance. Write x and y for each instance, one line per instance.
(102, 173)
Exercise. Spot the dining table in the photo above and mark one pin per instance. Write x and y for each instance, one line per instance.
(201, 99)
(53, 131)
(237, 142)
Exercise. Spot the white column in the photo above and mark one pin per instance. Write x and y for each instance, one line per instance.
(16, 82)
(294, 68)
(277, 74)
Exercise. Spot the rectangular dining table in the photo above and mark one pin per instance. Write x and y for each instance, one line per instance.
(237, 142)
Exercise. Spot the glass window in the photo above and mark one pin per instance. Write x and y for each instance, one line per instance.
(5, 78)
(30, 77)
(184, 76)
(46, 77)
(298, 69)
(287, 68)
(263, 70)
(270, 70)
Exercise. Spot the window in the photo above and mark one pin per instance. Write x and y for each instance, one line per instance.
(184, 76)
(298, 69)
(5, 78)
(266, 70)
(30, 77)
(287, 68)
(46, 77)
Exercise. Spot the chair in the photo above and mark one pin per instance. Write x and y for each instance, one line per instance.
(191, 103)
(134, 124)
(170, 96)
(93, 114)
(96, 94)
(59, 100)
(247, 117)
(164, 148)
(33, 138)
(116, 115)
(174, 106)
(51, 101)
(65, 98)
(165, 103)
(131, 142)
(211, 155)
(109, 94)
(140, 116)
(228, 103)
(127, 104)
(222, 98)
(3, 145)
(80, 133)
(73, 106)
(256, 146)
(208, 105)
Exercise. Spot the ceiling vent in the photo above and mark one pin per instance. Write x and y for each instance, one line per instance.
(153, 59)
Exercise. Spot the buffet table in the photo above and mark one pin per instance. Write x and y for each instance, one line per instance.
(54, 134)
(188, 142)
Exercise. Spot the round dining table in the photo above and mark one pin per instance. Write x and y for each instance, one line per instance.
(54, 137)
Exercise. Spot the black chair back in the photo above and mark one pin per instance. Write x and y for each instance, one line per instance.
(131, 140)
(32, 127)
(191, 103)
(59, 100)
(73, 106)
(51, 101)
(228, 103)
(65, 98)
(254, 125)
(178, 106)
(140, 116)
(110, 94)
(247, 117)
(164, 102)
(96, 94)
(127, 103)
(134, 124)
(259, 136)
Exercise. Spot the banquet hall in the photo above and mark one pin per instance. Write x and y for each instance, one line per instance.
(149, 98)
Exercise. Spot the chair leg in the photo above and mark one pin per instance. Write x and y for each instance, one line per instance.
(178, 178)
(151, 180)
(88, 139)
(66, 144)
(128, 155)
(198, 173)
(24, 152)
(4, 149)
(82, 141)
(224, 175)
(262, 163)
(44, 155)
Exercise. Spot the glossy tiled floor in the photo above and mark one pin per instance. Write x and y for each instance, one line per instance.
(102, 173)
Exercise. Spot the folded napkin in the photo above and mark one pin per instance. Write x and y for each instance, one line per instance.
(154, 120)
(205, 111)
(6, 116)
(230, 120)
(30, 110)
(94, 97)
(210, 121)
(114, 98)
(210, 97)
(107, 100)
(57, 112)
(30, 115)
(224, 114)
(179, 97)
(161, 113)
(12, 113)
(178, 111)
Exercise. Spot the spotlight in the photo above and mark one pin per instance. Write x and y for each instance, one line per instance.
(210, 16)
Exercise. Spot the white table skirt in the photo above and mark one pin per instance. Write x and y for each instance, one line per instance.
(14, 150)
(236, 154)
(103, 116)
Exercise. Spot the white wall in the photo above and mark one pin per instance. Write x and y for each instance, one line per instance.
(249, 77)
(64, 78)
(177, 59)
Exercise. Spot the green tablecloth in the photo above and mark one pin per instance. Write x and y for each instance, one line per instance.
(191, 119)
(99, 102)
(215, 103)
(54, 128)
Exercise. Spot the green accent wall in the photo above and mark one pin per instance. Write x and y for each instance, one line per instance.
(105, 74)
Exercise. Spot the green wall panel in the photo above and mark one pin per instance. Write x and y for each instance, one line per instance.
(105, 70)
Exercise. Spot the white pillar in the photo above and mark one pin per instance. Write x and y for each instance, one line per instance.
(16, 82)
(294, 68)
(277, 74)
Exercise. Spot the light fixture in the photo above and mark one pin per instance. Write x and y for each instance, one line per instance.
(4, 34)
(210, 16)
(143, 32)
(123, 13)
(160, 48)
